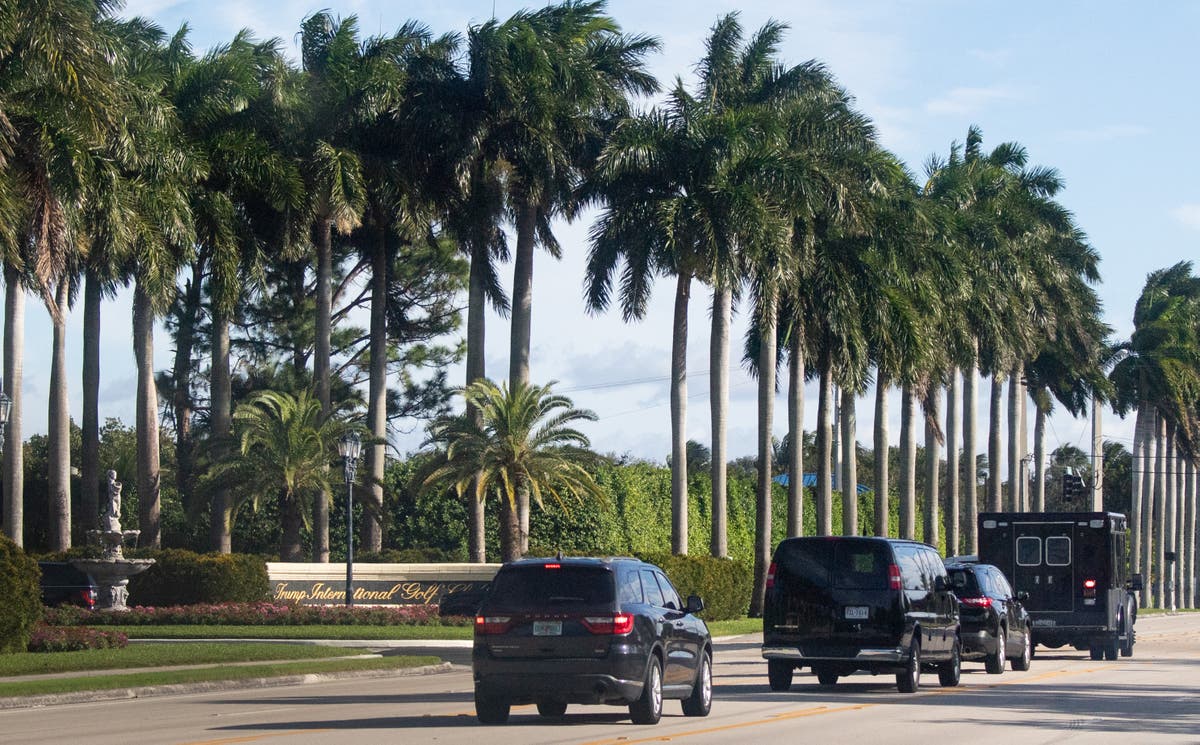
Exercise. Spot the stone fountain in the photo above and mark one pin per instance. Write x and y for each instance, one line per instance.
(112, 571)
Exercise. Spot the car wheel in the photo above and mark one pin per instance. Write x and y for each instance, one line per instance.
(910, 680)
(648, 708)
(950, 671)
(994, 663)
(700, 702)
(1127, 646)
(552, 708)
(1096, 652)
(779, 674)
(1111, 648)
(491, 710)
(1022, 662)
(825, 676)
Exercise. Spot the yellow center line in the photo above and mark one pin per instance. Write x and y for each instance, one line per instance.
(739, 725)
(254, 738)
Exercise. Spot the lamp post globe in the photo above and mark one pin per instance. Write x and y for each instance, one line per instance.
(350, 448)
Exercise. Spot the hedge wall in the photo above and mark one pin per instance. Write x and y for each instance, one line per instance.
(181, 577)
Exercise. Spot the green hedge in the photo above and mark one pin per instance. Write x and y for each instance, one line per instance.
(181, 577)
(724, 584)
(20, 589)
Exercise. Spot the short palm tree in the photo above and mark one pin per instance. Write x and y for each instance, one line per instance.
(520, 440)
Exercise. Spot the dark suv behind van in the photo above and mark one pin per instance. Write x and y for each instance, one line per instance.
(589, 631)
(841, 604)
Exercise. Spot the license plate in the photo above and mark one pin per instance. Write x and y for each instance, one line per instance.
(1044, 622)
(547, 628)
(856, 612)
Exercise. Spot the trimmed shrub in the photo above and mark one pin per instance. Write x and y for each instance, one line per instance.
(20, 588)
(414, 555)
(181, 577)
(257, 614)
(724, 584)
(74, 639)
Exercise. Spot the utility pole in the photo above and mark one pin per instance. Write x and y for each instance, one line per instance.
(1097, 459)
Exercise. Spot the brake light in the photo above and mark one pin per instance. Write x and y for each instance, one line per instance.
(984, 602)
(492, 624)
(617, 623)
(553, 566)
(894, 577)
(771, 576)
(1089, 588)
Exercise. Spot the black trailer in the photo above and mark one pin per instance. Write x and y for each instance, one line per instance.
(1073, 566)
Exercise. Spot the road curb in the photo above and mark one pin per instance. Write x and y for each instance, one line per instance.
(117, 694)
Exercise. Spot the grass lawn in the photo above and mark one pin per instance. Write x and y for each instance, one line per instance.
(295, 632)
(160, 655)
(206, 674)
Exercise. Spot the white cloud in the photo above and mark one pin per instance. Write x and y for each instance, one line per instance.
(1106, 133)
(964, 101)
(1188, 214)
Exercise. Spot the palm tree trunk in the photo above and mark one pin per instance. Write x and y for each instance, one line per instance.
(1039, 457)
(835, 449)
(14, 452)
(679, 500)
(521, 329)
(221, 418)
(372, 524)
(849, 465)
(1180, 519)
(995, 494)
(1022, 441)
(970, 478)
(1168, 531)
(1160, 511)
(181, 400)
(933, 462)
(718, 394)
(824, 448)
(89, 456)
(795, 518)
(908, 469)
(953, 509)
(321, 372)
(510, 531)
(1149, 484)
(1014, 451)
(292, 521)
(58, 434)
(148, 477)
(881, 454)
(476, 369)
(1135, 500)
(1189, 535)
(766, 416)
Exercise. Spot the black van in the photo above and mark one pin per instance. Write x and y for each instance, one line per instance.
(843, 603)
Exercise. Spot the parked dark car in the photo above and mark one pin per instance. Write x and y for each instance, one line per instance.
(63, 584)
(842, 604)
(589, 631)
(995, 625)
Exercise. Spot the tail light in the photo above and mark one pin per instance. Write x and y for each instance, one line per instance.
(617, 624)
(1089, 588)
(492, 624)
(89, 597)
(984, 602)
(894, 577)
(771, 576)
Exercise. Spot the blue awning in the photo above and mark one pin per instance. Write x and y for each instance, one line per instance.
(810, 479)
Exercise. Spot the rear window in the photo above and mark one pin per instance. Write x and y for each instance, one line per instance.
(964, 583)
(851, 565)
(537, 588)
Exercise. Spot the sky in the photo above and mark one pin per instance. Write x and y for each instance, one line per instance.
(1102, 91)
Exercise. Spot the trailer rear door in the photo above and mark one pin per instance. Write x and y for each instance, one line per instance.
(1043, 565)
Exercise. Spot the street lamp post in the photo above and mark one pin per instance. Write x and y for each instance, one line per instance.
(350, 447)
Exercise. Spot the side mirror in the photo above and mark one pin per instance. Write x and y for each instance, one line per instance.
(940, 584)
(694, 604)
(1135, 583)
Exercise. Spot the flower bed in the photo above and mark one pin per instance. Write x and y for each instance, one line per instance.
(254, 614)
(73, 639)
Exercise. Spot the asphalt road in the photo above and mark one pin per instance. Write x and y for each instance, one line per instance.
(1152, 697)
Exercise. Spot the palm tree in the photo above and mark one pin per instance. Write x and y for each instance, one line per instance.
(521, 439)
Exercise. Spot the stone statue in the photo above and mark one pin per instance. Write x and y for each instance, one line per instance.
(112, 516)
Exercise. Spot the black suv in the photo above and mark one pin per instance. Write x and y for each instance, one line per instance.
(995, 625)
(63, 584)
(589, 631)
(845, 603)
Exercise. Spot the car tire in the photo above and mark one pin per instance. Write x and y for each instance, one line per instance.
(490, 710)
(648, 708)
(700, 702)
(909, 680)
(1112, 648)
(994, 664)
(1096, 652)
(1021, 662)
(1127, 645)
(779, 674)
(825, 676)
(550, 708)
(950, 671)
